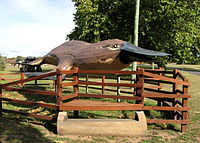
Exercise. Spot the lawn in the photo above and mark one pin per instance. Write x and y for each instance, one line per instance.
(15, 128)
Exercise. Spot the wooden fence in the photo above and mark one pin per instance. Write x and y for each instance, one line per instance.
(20, 76)
(149, 84)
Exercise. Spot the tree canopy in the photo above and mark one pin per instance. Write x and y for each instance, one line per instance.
(170, 26)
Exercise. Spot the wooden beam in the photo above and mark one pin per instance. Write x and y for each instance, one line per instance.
(110, 84)
(31, 91)
(167, 79)
(110, 96)
(108, 72)
(28, 79)
(29, 103)
(168, 121)
(69, 84)
(166, 108)
(69, 96)
(160, 95)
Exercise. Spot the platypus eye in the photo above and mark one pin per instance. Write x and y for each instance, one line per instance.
(117, 45)
(112, 47)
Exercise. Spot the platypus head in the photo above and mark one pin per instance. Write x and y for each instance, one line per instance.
(129, 52)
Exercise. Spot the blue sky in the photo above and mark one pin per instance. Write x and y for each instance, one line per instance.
(34, 27)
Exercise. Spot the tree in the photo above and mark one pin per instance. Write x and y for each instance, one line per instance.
(165, 25)
(19, 58)
(2, 63)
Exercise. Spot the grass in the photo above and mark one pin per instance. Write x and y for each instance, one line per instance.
(16, 128)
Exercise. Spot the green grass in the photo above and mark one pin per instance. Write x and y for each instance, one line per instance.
(17, 128)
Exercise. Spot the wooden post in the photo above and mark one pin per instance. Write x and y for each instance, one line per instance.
(59, 87)
(118, 87)
(140, 91)
(55, 85)
(135, 90)
(159, 103)
(0, 101)
(35, 83)
(175, 87)
(22, 78)
(159, 83)
(184, 113)
(103, 87)
(86, 87)
(75, 88)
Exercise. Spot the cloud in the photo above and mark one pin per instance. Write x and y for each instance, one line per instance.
(34, 27)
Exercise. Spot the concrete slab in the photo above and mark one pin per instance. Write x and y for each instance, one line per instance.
(107, 127)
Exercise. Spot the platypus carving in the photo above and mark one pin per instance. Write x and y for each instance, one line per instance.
(112, 54)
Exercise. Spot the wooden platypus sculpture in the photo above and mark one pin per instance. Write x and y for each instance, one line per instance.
(112, 54)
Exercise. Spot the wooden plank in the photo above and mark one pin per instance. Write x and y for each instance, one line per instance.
(28, 114)
(109, 96)
(110, 84)
(107, 89)
(166, 108)
(157, 80)
(31, 91)
(29, 79)
(103, 87)
(39, 84)
(159, 95)
(109, 72)
(158, 91)
(168, 121)
(10, 73)
(87, 105)
(69, 84)
(68, 72)
(30, 103)
(69, 96)
(167, 79)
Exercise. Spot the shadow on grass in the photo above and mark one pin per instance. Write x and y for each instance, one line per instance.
(14, 130)
(49, 125)
(161, 115)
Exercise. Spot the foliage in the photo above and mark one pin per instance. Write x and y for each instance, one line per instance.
(19, 58)
(165, 25)
(2, 63)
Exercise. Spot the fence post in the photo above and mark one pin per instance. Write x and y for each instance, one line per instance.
(175, 87)
(118, 87)
(159, 103)
(103, 87)
(75, 88)
(140, 90)
(159, 83)
(184, 113)
(59, 87)
(0, 101)
(22, 78)
(86, 87)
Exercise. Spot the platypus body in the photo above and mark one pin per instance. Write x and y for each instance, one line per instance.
(112, 54)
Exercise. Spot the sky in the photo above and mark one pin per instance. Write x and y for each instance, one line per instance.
(34, 27)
